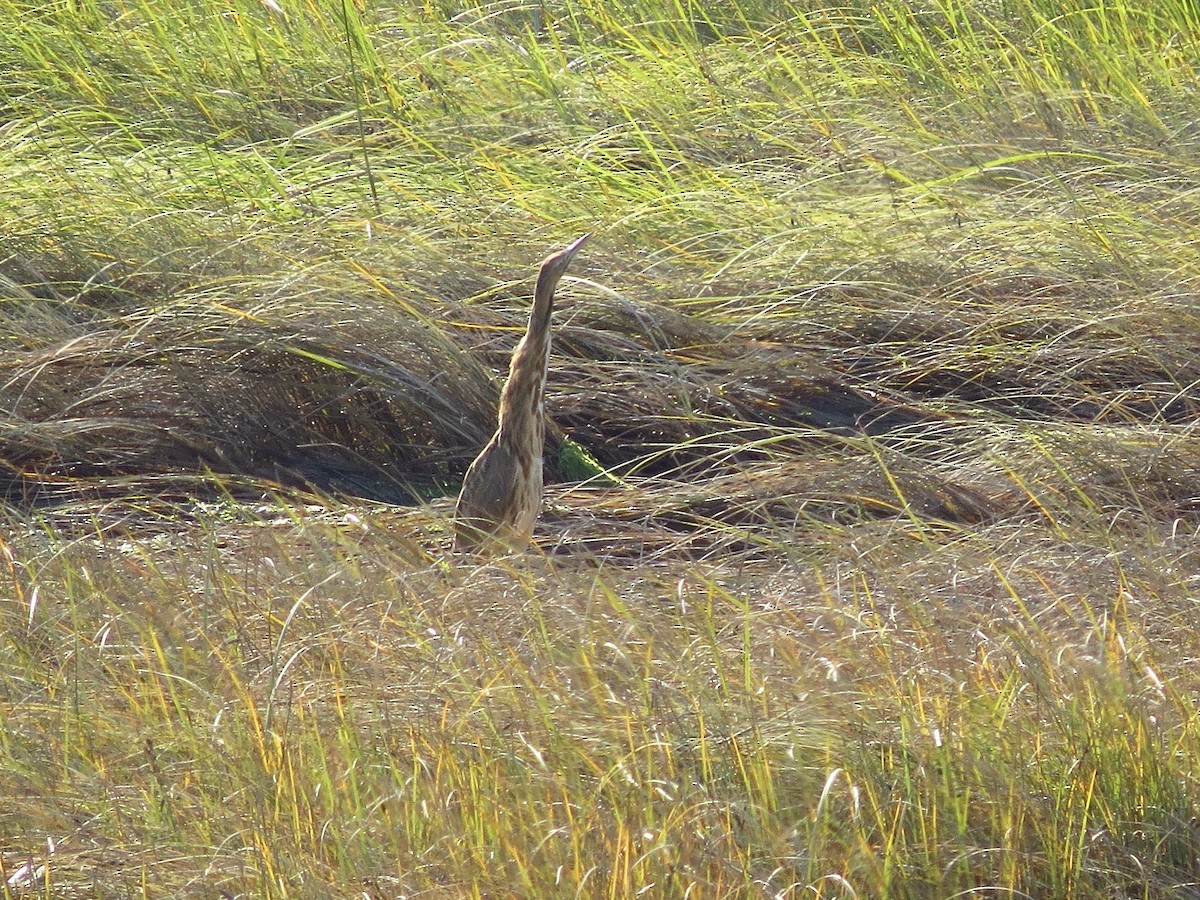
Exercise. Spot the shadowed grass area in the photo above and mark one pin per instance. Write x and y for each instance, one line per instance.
(869, 561)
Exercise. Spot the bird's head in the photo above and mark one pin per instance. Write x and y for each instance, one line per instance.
(555, 265)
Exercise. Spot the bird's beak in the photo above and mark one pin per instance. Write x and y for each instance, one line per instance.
(573, 248)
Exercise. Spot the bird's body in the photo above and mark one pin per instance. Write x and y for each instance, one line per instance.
(502, 491)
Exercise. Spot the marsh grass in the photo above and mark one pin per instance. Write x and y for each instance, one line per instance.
(870, 561)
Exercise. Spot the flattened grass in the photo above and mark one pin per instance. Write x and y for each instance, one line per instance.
(886, 337)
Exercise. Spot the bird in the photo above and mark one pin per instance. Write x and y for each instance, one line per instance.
(502, 492)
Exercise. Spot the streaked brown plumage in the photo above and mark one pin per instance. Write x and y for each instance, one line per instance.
(502, 492)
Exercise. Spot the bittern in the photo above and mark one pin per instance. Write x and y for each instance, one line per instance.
(502, 492)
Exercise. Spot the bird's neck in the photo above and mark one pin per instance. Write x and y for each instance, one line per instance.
(522, 402)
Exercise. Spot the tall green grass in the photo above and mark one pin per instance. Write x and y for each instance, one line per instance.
(783, 657)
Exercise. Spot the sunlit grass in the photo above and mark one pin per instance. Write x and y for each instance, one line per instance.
(270, 706)
(885, 337)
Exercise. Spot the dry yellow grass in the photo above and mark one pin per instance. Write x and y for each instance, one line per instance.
(885, 338)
